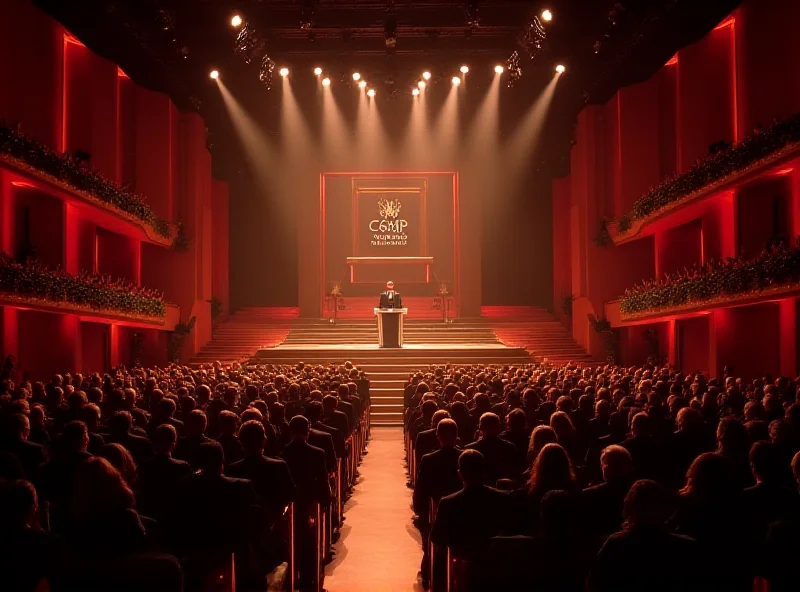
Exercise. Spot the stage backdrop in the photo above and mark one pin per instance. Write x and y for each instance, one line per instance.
(374, 227)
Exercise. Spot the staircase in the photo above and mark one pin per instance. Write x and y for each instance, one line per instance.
(426, 342)
(502, 335)
(247, 331)
(536, 330)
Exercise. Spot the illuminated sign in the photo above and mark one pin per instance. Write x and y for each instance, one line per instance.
(390, 230)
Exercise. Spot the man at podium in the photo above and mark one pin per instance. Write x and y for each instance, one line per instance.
(390, 313)
(390, 298)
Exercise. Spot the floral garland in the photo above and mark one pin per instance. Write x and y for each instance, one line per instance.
(74, 171)
(778, 266)
(715, 167)
(35, 280)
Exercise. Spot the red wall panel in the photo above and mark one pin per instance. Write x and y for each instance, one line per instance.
(640, 158)
(90, 95)
(705, 94)
(679, 248)
(221, 254)
(154, 145)
(748, 340)
(562, 271)
(117, 255)
(768, 56)
(31, 55)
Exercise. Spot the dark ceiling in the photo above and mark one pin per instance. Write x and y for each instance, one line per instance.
(170, 45)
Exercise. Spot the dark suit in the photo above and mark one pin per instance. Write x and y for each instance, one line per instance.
(31, 456)
(214, 513)
(270, 478)
(501, 458)
(307, 466)
(426, 442)
(349, 412)
(394, 302)
(158, 478)
(437, 477)
(188, 447)
(602, 505)
(468, 519)
(336, 435)
(139, 447)
(324, 441)
(338, 419)
(56, 482)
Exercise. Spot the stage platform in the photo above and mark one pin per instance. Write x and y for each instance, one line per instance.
(502, 336)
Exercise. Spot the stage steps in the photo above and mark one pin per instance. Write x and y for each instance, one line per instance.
(389, 369)
(240, 336)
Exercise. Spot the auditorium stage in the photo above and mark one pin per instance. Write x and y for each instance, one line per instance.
(432, 347)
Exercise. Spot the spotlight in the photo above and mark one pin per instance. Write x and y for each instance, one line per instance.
(213, 75)
(426, 75)
(317, 71)
(356, 76)
(326, 81)
(422, 84)
(236, 21)
(415, 92)
(362, 84)
(371, 93)
(456, 80)
(284, 72)
(561, 69)
(547, 15)
(464, 69)
(498, 69)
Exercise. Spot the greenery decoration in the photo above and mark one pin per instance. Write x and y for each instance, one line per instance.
(774, 267)
(603, 237)
(177, 339)
(566, 305)
(725, 160)
(34, 280)
(75, 172)
(216, 307)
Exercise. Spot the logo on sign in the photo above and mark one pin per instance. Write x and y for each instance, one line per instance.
(390, 230)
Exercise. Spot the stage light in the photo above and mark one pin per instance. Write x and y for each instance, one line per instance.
(422, 84)
(456, 80)
(326, 81)
(426, 75)
(547, 15)
(356, 76)
(236, 21)
(498, 69)
(362, 84)
(560, 69)
(415, 92)
(317, 71)
(464, 69)
(213, 75)
(371, 93)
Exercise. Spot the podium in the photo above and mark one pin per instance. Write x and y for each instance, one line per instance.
(390, 326)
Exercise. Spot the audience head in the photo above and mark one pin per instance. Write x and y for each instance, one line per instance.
(99, 491)
(299, 428)
(75, 437)
(616, 463)
(540, 436)
(211, 458)
(647, 505)
(196, 423)
(18, 505)
(253, 437)
(120, 459)
(447, 432)
(551, 470)
(472, 468)
(164, 439)
(489, 425)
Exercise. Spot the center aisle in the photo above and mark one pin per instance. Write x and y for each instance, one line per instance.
(379, 550)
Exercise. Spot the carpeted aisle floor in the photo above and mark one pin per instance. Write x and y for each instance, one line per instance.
(379, 550)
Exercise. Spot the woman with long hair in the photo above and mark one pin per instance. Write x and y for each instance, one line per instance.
(552, 470)
(540, 436)
(103, 517)
(709, 511)
(120, 459)
(567, 435)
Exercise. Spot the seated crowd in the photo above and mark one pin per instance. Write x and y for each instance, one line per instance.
(154, 478)
(604, 478)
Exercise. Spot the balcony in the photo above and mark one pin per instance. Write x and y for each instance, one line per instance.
(105, 214)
